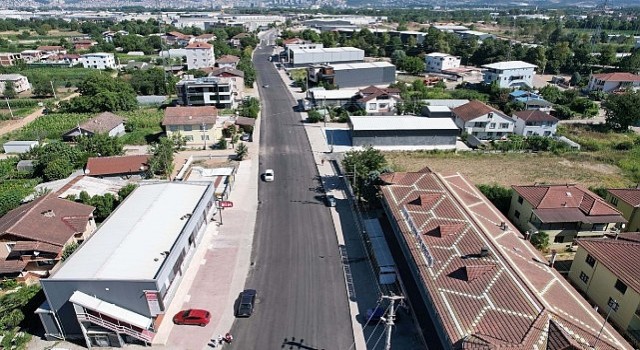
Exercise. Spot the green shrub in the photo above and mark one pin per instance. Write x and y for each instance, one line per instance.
(314, 116)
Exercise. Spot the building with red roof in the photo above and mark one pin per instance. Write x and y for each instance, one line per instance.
(563, 212)
(607, 271)
(484, 286)
(118, 166)
(611, 82)
(627, 201)
(200, 55)
(482, 121)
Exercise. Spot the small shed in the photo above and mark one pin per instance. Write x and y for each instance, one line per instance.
(436, 111)
(19, 146)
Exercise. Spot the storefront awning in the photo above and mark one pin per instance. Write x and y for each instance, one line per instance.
(110, 310)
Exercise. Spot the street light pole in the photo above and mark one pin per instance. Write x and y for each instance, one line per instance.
(613, 306)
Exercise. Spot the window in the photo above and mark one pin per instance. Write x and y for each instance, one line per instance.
(558, 239)
(620, 286)
(202, 137)
(492, 125)
(520, 200)
(173, 128)
(590, 260)
(584, 278)
(189, 137)
(187, 127)
(599, 227)
(372, 106)
(614, 201)
(504, 125)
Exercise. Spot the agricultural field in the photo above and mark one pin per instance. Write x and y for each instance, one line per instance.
(606, 160)
(61, 77)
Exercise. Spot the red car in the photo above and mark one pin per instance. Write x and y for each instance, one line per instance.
(193, 317)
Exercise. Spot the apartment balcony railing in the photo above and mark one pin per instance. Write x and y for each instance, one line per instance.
(145, 335)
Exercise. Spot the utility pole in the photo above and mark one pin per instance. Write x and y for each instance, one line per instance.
(8, 105)
(53, 89)
(390, 318)
(204, 134)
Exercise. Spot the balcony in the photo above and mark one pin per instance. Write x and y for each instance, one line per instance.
(144, 335)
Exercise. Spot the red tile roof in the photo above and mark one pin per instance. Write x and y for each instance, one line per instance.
(372, 92)
(222, 71)
(50, 48)
(199, 45)
(619, 76)
(102, 123)
(509, 299)
(178, 35)
(535, 116)
(98, 166)
(12, 266)
(292, 41)
(630, 196)
(47, 219)
(228, 59)
(561, 197)
(27, 246)
(620, 256)
(474, 109)
(190, 115)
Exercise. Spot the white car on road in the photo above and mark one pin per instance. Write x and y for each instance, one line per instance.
(268, 175)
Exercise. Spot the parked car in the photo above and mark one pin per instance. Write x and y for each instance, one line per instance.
(247, 302)
(268, 175)
(265, 86)
(330, 200)
(245, 137)
(375, 314)
(192, 317)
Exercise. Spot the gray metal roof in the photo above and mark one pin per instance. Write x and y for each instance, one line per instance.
(446, 102)
(128, 244)
(401, 122)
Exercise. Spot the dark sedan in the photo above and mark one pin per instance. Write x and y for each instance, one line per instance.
(247, 302)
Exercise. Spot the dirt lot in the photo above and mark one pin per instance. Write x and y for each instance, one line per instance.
(512, 169)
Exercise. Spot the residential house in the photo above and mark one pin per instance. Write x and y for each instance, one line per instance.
(230, 61)
(10, 59)
(177, 38)
(563, 212)
(20, 82)
(104, 123)
(607, 272)
(127, 167)
(292, 41)
(610, 82)
(52, 50)
(236, 40)
(209, 91)
(71, 58)
(475, 35)
(478, 281)
(529, 123)
(84, 45)
(482, 121)
(531, 101)
(31, 55)
(380, 101)
(321, 97)
(98, 60)
(627, 201)
(235, 79)
(35, 234)
(196, 124)
(436, 62)
(109, 35)
(204, 38)
(200, 55)
(510, 74)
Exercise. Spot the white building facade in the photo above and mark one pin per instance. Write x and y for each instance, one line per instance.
(200, 55)
(535, 123)
(436, 62)
(20, 82)
(510, 74)
(98, 60)
(484, 122)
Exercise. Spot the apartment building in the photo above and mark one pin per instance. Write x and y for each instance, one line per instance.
(200, 55)
(437, 62)
(99, 60)
(510, 74)
(208, 91)
(482, 121)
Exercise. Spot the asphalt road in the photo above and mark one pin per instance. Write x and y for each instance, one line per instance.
(302, 301)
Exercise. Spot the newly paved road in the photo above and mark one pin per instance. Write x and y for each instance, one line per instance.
(297, 271)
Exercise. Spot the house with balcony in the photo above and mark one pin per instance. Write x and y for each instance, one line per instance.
(534, 122)
(563, 212)
(627, 201)
(98, 60)
(230, 61)
(509, 74)
(483, 121)
(220, 92)
(20, 82)
(377, 101)
(606, 271)
(34, 235)
(436, 62)
(531, 100)
(117, 287)
(610, 82)
(200, 55)
(196, 124)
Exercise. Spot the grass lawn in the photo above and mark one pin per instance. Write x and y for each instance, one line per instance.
(514, 168)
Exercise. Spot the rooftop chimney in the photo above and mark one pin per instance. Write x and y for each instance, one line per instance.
(484, 252)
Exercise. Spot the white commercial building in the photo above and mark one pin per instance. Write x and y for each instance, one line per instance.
(200, 55)
(437, 62)
(99, 60)
(302, 57)
(510, 74)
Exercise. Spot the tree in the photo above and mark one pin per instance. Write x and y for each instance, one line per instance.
(622, 110)
(104, 206)
(161, 161)
(125, 191)
(152, 81)
(631, 63)
(55, 160)
(57, 169)
(413, 65)
(398, 56)
(68, 250)
(41, 88)
(575, 78)
(498, 195)
(540, 240)
(242, 151)
(100, 93)
(9, 90)
(250, 107)
(100, 145)
(365, 166)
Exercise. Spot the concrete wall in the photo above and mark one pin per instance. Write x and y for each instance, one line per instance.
(600, 287)
(321, 57)
(365, 76)
(126, 294)
(630, 213)
(404, 138)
